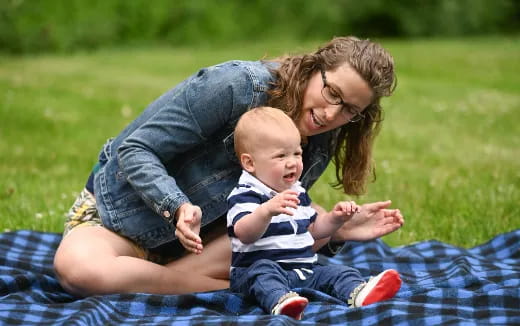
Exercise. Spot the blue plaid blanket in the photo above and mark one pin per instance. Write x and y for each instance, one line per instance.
(442, 284)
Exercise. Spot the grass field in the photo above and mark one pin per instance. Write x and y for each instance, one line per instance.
(448, 155)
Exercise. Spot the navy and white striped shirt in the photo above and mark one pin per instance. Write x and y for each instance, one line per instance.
(286, 241)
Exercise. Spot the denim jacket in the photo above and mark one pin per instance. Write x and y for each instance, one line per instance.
(180, 149)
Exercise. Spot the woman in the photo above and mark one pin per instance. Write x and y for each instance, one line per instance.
(174, 166)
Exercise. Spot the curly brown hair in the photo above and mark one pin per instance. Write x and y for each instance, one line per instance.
(352, 148)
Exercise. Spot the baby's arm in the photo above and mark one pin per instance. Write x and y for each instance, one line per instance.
(252, 226)
(327, 223)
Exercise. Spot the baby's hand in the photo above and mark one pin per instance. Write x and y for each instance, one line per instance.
(188, 227)
(281, 203)
(344, 210)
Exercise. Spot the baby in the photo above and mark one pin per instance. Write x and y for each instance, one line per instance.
(273, 226)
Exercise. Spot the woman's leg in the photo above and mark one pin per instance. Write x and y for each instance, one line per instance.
(215, 259)
(93, 260)
(213, 262)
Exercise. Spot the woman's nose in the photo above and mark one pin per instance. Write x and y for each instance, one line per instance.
(332, 112)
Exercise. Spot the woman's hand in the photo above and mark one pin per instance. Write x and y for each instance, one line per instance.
(189, 218)
(373, 221)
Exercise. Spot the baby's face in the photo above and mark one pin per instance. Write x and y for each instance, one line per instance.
(278, 160)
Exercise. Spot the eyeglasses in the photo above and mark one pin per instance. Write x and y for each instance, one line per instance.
(332, 97)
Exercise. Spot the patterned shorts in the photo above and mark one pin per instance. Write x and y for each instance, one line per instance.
(82, 213)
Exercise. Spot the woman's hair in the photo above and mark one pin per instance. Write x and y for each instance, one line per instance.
(352, 147)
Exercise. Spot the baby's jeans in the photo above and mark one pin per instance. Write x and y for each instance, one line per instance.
(267, 282)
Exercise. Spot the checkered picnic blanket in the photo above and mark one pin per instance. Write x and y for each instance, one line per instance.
(442, 285)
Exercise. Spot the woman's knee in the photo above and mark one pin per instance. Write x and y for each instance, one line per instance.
(82, 259)
(75, 272)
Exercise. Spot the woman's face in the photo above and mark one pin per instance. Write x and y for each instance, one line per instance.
(318, 115)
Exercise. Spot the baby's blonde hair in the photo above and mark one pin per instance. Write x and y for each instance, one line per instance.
(258, 123)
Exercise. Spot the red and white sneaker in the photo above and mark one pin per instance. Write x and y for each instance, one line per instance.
(379, 288)
(292, 305)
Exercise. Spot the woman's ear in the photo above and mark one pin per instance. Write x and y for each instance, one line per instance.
(247, 162)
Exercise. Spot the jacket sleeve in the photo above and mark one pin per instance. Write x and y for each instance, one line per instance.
(178, 121)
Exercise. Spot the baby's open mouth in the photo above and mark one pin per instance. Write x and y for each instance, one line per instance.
(290, 176)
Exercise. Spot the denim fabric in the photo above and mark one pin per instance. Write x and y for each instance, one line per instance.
(266, 282)
(180, 149)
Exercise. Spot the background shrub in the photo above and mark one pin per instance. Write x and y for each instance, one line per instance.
(64, 26)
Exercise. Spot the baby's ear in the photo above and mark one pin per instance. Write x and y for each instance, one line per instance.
(247, 162)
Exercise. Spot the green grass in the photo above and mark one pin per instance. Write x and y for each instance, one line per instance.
(448, 155)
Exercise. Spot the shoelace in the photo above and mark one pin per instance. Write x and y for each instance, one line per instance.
(352, 297)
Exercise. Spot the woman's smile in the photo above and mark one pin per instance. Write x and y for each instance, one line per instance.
(315, 119)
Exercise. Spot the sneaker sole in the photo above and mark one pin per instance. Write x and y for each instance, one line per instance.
(294, 307)
(384, 289)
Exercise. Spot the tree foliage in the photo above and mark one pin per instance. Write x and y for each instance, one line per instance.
(58, 25)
